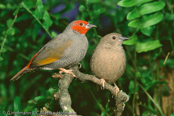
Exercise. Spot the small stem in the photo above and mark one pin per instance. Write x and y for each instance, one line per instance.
(20, 54)
(166, 58)
(39, 22)
(100, 106)
(153, 101)
(169, 4)
(87, 8)
(171, 40)
(135, 78)
(11, 25)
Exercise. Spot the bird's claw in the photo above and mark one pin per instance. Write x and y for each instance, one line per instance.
(102, 82)
(66, 71)
(116, 89)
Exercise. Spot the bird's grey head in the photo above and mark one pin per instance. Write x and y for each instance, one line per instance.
(113, 40)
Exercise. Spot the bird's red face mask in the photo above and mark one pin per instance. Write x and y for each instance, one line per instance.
(81, 26)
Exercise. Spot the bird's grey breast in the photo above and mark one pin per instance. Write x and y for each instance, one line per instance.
(77, 50)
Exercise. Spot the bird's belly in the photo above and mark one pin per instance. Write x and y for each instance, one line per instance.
(72, 56)
(110, 68)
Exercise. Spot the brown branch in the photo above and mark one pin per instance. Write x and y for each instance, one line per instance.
(63, 94)
(65, 99)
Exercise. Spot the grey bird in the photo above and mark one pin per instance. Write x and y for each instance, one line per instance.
(65, 50)
(108, 61)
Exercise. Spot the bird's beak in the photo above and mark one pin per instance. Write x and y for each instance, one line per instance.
(123, 38)
(90, 25)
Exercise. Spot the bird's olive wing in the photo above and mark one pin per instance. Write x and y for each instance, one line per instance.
(51, 52)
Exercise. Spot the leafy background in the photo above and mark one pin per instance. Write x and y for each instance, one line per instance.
(27, 25)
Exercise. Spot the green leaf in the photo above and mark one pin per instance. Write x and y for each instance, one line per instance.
(156, 54)
(138, 74)
(169, 62)
(2, 6)
(3, 50)
(131, 41)
(39, 98)
(3, 75)
(54, 34)
(169, 17)
(9, 22)
(35, 31)
(145, 9)
(12, 89)
(3, 89)
(148, 30)
(104, 112)
(1, 58)
(130, 3)
(146, 21)
(9, 6)
(148, 45)
(127, 3)
(133, 14)
(10, 31)
(38, 12)
(139, 2)
(132, 87)
(50, 91)
(47, 20)
(81, 8)
(147, 113)
(28, 3)
(99, 11)
(92, 1)
(17, 104)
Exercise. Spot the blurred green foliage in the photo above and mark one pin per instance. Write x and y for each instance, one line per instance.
(27, 25)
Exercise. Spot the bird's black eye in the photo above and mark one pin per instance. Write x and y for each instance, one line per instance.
(81, 24)
(113, 37)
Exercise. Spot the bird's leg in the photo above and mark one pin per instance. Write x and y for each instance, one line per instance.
(116, 89)
(102, 82)
(66, 71)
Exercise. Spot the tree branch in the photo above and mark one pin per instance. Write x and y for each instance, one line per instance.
(64, 96)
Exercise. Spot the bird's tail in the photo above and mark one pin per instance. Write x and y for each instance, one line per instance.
(20, 73)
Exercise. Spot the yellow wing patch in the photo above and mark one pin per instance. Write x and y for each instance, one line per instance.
(47, 61)
(54, 54)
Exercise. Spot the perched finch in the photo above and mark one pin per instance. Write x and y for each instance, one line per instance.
(65, 50)
(108, 61)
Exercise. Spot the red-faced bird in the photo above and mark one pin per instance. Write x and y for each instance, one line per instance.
(64, 50)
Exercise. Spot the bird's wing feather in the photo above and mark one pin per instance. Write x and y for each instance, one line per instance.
(51, 52)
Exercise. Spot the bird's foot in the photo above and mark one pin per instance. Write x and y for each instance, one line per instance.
(57, 75)
(66, 71)
(102, 82)
(116, 89)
